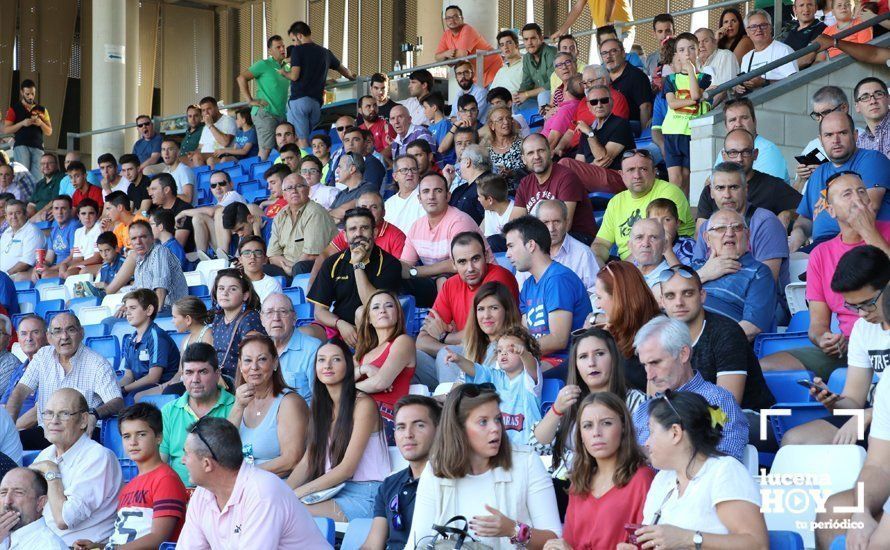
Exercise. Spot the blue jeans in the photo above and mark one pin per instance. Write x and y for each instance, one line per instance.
(29, 157)
(304, 113)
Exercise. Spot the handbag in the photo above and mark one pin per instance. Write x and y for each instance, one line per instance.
(451, 537)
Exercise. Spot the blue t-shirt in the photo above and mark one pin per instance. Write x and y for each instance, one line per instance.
(243, 137)
(520, 400)
(7, 294)
(440, 130)
(746, 295)
(659, 110)
(146, 148)
(177, 250)
(559, 288)
(872, 166)
(61, 239)
(108, 271)
(156, 349)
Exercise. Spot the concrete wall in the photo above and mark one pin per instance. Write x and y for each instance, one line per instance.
(782, 114)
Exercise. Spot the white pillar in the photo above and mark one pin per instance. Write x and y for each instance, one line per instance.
(108, 82)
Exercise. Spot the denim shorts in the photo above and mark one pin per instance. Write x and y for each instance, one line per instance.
(304, 113)
(356, 499)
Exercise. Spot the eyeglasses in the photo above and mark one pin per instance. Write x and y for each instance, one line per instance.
(817, 115)
(196, 429)
(405, 171)
(759, 27)
(634, 152)
(70, 331)
(865, 307)
(214, 185)
(564, 65)
(63, 416)
(452, 17)
(252, 253)
(880, 94)
(681, 270)
(396, 515)
(739, 153)
(309, 171)
(606, 53)
(277, 312)
(600, 101)
(721, 228)
(143, 124)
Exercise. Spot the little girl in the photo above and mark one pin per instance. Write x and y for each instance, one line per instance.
(683, 91)
(518, 380)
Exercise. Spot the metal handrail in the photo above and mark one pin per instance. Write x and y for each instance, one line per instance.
(810, 48)
(478, 56)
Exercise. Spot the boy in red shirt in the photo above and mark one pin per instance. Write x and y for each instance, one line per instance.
(151, 507)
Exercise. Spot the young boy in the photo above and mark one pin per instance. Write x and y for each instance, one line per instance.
(434, 110)
(517, 378)
(151, 356)
(162, 227)
(84, 257)
(498, 206)
(665, 211)
(60, 240)
(252, 254)
(112, 261)
(151, 507)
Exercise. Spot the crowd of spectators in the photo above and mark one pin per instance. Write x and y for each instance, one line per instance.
(640, 309)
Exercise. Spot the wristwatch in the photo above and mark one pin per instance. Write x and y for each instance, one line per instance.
(49, 476)
(697, 540)
(442, 337)
(360, 265)
(413, 272)
(591, 134)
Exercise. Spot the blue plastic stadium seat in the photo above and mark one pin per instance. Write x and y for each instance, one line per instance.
(17, 318)
(75, 304)
(44, 307)
(199, 290)
(50, 314)
(93, 331)
(178, 337)
(165, 323)
(800, 321)
(247, 163)
(29, 456)
(120, 330)
(801, 413)
(785, 540)
(304, 314)
(107, 347)
(158, 400)
(549, 393)
(838, 379)
(326, 526)
(51, 281)
(408, 304)
(784, 387)
(258, 169)
(27, 300)
(225, 165)
(110, 437)
(128, 469)
(296, 295)
(23, 285)
(774, 342)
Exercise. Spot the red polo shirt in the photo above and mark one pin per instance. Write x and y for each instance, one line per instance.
(380, 129)
(455, 301)
(390, 238)
(92, 192)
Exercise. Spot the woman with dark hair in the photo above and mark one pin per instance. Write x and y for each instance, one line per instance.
(384, 356)
(609, 478)
(494, 311)
(504, 493)
(595, 365)
(700, 497)
(238, 316)
(627, 304)
(346, 456)
(270, 416)
(731, 34)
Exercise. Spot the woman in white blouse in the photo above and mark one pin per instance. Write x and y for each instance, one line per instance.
(701, 498)
(505, 494)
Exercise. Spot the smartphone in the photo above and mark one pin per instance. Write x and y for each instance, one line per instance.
(809, 384)
(631, 529)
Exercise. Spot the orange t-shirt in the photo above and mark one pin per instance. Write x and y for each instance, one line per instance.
(122, 232)
(860, 37)
(469, 39)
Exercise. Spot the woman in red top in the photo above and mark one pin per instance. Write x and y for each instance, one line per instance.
(609, 478)
(384, 355)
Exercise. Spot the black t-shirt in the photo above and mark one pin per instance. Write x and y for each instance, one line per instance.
(399, 489)
(764, 191)
(138, 193)
(798, 39)
(634, 84)
(29, 136)
(314, 62)
(722, 348)
(335, 282)
(614, 129)
(179, 205)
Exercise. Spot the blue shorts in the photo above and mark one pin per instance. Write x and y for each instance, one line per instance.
(676, 150)
(356, 499)
(304, 113)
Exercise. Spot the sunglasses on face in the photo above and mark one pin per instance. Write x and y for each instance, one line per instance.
(599, 101)
(143, 124)
(214, 185)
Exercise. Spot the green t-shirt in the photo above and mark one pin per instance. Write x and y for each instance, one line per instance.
(191, 140)
(624, 210)
(271, 87)
(676, 121)
(178, 416)
(46, 191)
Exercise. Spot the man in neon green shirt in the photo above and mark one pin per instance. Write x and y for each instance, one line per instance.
(625, 208)
(270, 104)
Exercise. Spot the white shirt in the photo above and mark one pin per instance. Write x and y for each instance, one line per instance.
(183, 176)
(91, 476)
(722, 66)
(415, 109)
(265, 286)
(576, 256)
(776, 50)
(230, 197)
(85, 241)
(869, 348)
(508, 76)
(123, 184)
(226, 125)
(90, 374)
(720, 479)
(494, 222)
(323, 194)
(36, 535)
(402, 213)
(21, 246)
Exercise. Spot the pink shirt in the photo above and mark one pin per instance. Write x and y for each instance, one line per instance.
(432, 245)
(263, 512)
(561, 120)
(820, 270)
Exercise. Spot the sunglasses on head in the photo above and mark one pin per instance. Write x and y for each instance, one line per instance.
(681, 270)
(666, 395)
(831, 179)
(196, 429)
(634, 152)
(474, 390)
